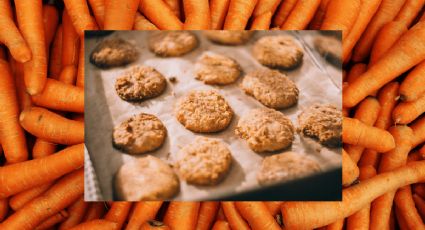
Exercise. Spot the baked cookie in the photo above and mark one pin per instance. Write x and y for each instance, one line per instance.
(172, 43)
(113, 52)
(330, 48)
(139, 83)
(270, 87)
(205, 161)
(266, 130)
(139, 134)
(204, 111)
(229, 37)
(278, 52)
(217, 69)
(285, 166)
(146, 178)
(322, 122)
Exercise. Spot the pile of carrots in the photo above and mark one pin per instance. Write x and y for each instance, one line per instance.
(42, 113)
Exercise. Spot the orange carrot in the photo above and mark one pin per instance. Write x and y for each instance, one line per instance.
(218, 13)
(386, 12)
(70, 42)
(355, 71)
(233, 217)
(68, 75)
(409, 12)
(384, 68)
(301, 15)
(413, 86)
(418, 128)
(422, 151)
(4, 208)
(160, 14)
(78, 11)
(98, 8)
(59, 196)
(94, 211)
(154, 225)
(274, 207)
(385, 39)
(197, 14)
(143, 211)
(420, 190)
(182, 215)
(141, 23)
(317, 20)
(207, 213)
(406, 112)
(56, 54)
(221, 225)
(350, 171)
(50, 22)
(257, 215)
(76, 212)
(80, 70)
(238, 14)
(400, 220)
(10, 36)
(12, 136)
(24, 98)
(262, 22)
(118, 213)
(52, 127)
(29, 15)
(367, 10)
(308, 215)
(20, 199)
(43, 148)
(53, 220)
(220, 214)
(174, 6)
(404, 202)
(61, 96)
(337, 225)
(341, 15)
(420, 205)
(264, 6)
(97, 224)
(119, 14)
(283, 12)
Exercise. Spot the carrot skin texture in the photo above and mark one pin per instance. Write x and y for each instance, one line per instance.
(94, 211)
(257, 215)
(97, 224)
(56, 54)
(68, 75)
(197, 14)
(207, 212)
(98, 8)
(350, 171)
(20, 199)
(409, 12)
(264, 6)
(274, 207)
(300, 15)
(118, 213)
(182, 215)
(283, 12)
(76, 213)
(79, 13)
(221, 225)
(218, 13)
(12, 136)
(119, 14)
(341, 15)
(406, 112)
(233, 217)
(143, 211)
(4, 208)
(70, 42)
(43, 148)
(413, 86)
(50, 22)
(53, 220)
(262, 22)
(420, 205)
(142, 23)
(160, 14)
(418, 128)
(80, 70)
(404, 202)
(174, 6)
(238, 14)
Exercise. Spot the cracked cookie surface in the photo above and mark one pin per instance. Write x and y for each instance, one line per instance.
(113, 52)
(217, 69)
(172, 43)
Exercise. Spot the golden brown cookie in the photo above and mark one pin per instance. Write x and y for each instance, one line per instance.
(113, 52)
(330, 48)
(229, 37)
(217, 69)
(172, 43)
(146, 178)
(265, 130)
(205, 161)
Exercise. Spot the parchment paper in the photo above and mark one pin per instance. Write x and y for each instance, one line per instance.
(104, 110)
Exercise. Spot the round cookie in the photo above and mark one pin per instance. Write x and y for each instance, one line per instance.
(146, 178)
(139, 134)
(141, 82)
(229, 37)
(330, 48)
(285, 166)
(322, 122)
(270, 87)
(204, 111)
(113, 52)
(278, 52)
(266, 130)
(172, 43)
(217, 69)
(205, 161)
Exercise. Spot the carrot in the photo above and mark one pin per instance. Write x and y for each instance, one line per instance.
(220, 214)
(283, 12)
(418, 128)
(68, 75)
(141, 23)
(385, 39)
(218, 13)
(341, 15)
(80, 70)
(61, 96)
(78, 11)
(367, 112)
(400, 220)
(264, 6)
(404, 202)
(43, 148)
(52, 127)
(182, 215)
(367, 10)
(238, 14)
(59, 196)
(420, 190)
(98, 8)
(76, 212)
(97, 224)
(118, 213)
(19, 200)
(262, 22)
(12, 136)
(53, 220)
(94, 211)
(317, 20)
(233, 217)
(257, 215)
(10, 36)
(274, 207)
(420, 205)
(386, 12)
(410, 11)
(207, 213)
(307, 215)
(406, 112)
(301, 15)
(50, 22)
(56, 54)
(119, 14)
(24, 98)
(413, 86)
(4, 208)
(197, 13)
(350, 171)
(337, 225)
(160, 14)
(174, 6)
(422, 151)
(221, 225)
(154, 225)
(70, 42)
(355, 71)
(143, 211)
(360, 220)
(357, 133)
(402, 53)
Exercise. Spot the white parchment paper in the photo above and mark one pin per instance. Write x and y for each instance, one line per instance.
(104, 110)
